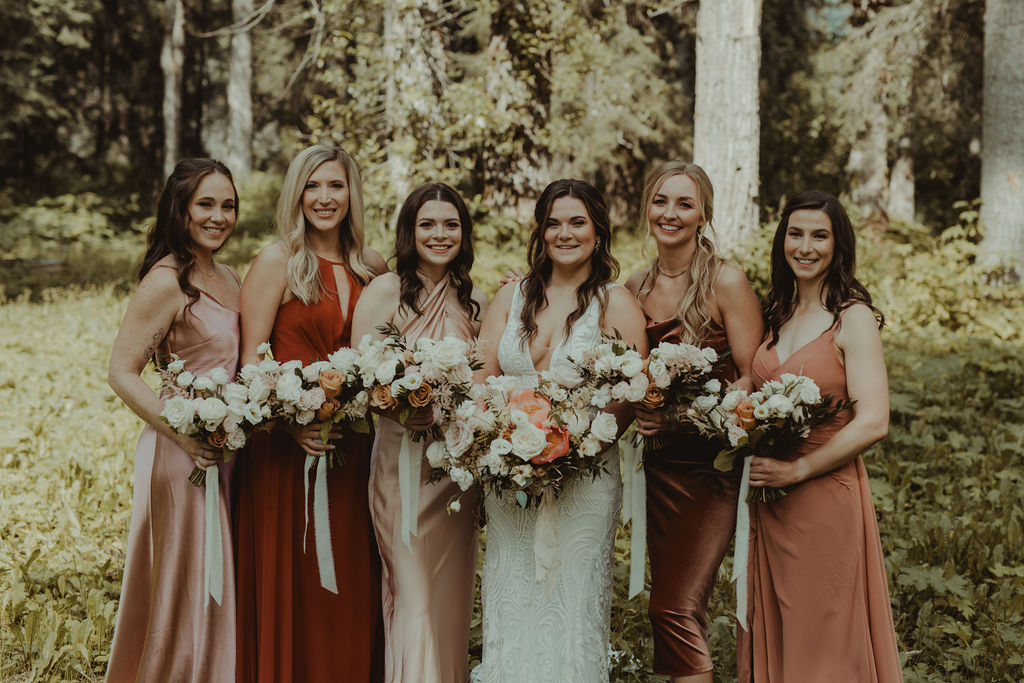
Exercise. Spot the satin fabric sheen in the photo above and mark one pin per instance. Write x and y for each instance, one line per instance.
(427, 592)
(819, 608)
(164, 632)
(691, 515)
(290, 627)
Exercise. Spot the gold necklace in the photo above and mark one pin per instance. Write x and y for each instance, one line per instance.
(672, 275)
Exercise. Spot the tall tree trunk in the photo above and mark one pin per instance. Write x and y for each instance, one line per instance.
(726, 127)
(901, 185)
(1002, 158)
(868, 164)
(239, 155)
(172, 60)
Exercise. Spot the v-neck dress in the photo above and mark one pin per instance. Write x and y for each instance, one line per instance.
(819, 607)
(290, 628)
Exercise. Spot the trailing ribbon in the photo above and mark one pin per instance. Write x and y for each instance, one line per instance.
(547, 564)
(409, 459)
(742, 552)
(321, 522)
(634, 507)
(213, 561)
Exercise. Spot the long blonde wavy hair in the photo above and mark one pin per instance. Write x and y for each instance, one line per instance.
(694, 306)
(303, 268)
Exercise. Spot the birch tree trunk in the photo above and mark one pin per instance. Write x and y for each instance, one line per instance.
(868, 163)
(172, 60)
(1002, 158)
(726, 124)
(239, 157)
(901, 185)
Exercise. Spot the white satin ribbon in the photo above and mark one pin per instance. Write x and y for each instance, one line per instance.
(546, 563)
(409, 458)
(321, 522)
(742, 552)
(634, 508)
(213, 561)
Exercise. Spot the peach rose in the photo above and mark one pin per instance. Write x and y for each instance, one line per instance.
(558, 445)
(380, 397)
(217, 439)
(745, 415)
(420, 396)
(654, 397)
(328, 408)
(331, 381)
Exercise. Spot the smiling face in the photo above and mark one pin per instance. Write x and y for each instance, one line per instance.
(211, 212)
(325, 196)
(569, 233)
(809, 243)
(438, 235)
(675, 211)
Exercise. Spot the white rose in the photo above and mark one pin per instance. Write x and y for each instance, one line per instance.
(659, 373)
(709, 354)
(601, 397)
(632, 364)
(787, 377)
(450, 353)
(603, 365)
(458, 437)
(590, 447)
(501, 446)
(637, 388)
(779, 404)
(219, 376)
(312, 399)
(736, 434)
(176, 366)
(732, 399)
(528, 441)
(269, 366)
(178, 412)
(232, 422)
(565, 375)
(252, 413)
(311, 373)
(386, 371)
(436, 453)
(259, 389)
(211, 411)
(248, 371)
(236, 393)
(204, 384)
(604, 427)
(289, 388)
(344, 360)
(235, 440)
(809, 395)
(619, 391)
(713, 385)
(454, 506)
(705, 404)
(576, 421)
(263, 348)
(304, 417)
(185, 378)
(464, 478)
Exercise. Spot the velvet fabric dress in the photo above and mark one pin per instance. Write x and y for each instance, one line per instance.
(819, 602)
(428, 588)
(290, 628)
(691, 516)
(165, 629)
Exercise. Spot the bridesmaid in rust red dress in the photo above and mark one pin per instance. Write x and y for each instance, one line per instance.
(688, 295)
(308, 612)
(819, 607)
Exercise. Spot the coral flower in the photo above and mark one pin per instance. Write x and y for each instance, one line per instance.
(558, 445)
(536, 407)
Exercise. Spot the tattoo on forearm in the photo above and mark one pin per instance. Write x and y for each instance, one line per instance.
(150, 351)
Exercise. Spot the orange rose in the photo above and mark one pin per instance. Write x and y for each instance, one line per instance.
(331, 381)
(217, 439)
(745, 415)
(420, 396)
(380, 397)
(327, 408)
(654, 397)
(558, 445)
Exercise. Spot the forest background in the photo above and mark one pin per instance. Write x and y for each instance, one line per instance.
(911, 110)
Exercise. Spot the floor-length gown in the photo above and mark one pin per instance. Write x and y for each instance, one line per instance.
(428, 590)
(819, 607)
(531, 634)
(290, 628)
(165, 629)
(691, 515)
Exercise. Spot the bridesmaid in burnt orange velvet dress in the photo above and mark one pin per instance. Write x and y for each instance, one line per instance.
(688, 295)
(296, 623)
(819, 608)
(428, 577)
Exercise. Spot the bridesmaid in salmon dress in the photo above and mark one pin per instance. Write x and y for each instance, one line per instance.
(688, 295)
(300, 294)
(428, 578)
(819, 608)
(186, 304)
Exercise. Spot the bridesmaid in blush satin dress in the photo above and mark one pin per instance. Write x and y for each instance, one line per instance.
(688, 295)
(428, 585)
(300, 294)
(168, 629)
(819, 606)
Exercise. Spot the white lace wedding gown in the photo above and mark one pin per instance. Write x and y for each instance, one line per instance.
(531, 636)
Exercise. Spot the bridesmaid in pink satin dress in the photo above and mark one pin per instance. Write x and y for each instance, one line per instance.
(819, 608)
(186, 304)
(428, 585)
(689, 295)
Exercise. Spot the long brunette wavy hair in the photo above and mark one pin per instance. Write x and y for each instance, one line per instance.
(603, 266)
(407, 260)
(169, 234)
(839, 288)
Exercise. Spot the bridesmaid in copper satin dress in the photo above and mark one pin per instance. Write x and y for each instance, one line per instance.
(819, 606)
(688, 295)
(300, 294)
(428, 585)
(186, 304)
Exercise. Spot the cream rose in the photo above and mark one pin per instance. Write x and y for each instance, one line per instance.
(450, 353)
(289, 388)
(464, 478)
(458, 437)
(436, 453)
(604, 427)
(185, 379)
(235, 440)
(178, 412)
(386, 371)
(528, 441)
(211, 411)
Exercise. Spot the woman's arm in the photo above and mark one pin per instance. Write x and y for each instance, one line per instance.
(262, 294)
(377, 306)
(625, 316)
(867, 383)
(374, 261)
(154, 307)
(742, 319)
(491, 329)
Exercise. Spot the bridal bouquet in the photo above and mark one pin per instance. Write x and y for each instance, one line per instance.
(530, 441)
(777, 416)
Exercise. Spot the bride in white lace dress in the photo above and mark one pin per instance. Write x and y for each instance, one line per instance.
(556, 629)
